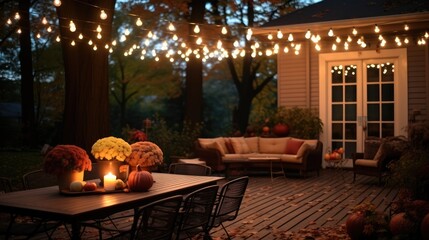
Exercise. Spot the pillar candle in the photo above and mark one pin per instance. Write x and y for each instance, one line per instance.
(109, 181)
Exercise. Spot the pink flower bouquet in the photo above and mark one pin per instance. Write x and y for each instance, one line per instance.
(64, 158)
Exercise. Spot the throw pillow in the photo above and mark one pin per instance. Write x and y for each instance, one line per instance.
(292, 146)
(213, 145)
(239, 145)
(303, 149)
(229, 146)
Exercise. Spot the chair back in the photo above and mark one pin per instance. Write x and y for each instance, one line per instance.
(5, 185)
(38, 179)
(190, 169)
(195, 215)
(229, 201)
(156, 220)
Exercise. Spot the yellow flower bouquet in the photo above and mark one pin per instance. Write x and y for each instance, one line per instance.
(65, 158)
(145, 154)
(111, 148)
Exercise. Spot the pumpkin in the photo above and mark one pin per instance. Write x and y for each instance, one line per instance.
(400, 225)
(281, 130)
(140, 180)
(355, 225)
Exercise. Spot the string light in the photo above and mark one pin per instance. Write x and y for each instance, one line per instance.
(290, 37)
(308, 34)
(331, 32)
(99, 29)
(72, 26)
(376, 29)
(354, 32)
(103, 15)
(80, 36)
(270, 36)
(9, 22)
(406, 28)
(17, 16)
(57, 3)
(139, 22)
(196, 29)
(224, 30)
(171, 27)
(44, 21)
(279, 34)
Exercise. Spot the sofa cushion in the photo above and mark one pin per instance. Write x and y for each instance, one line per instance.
(220, 140)
(366, 163)
(213, 145)
(272, 145)
(303, 149)
(239, 145)
(253, 143)
(292, 146)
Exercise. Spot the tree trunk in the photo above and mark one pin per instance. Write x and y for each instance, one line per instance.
(194, 70)
(27, 85)
(86, 113)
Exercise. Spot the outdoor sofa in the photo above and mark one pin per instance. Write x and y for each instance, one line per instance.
(240, 152)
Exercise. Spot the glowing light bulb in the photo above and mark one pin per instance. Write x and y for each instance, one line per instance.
(196, 29)
(150, 34)
(290, 37)
(270, 36)
(406, 28)
(19, 31)
(9, 22)
(80, 36)
(219, 44)
(171, 27)
(175, 37)
(199, 41)
(99, 29)
(236, 44)
(72, 26)
(346, 46)
(90, 42)
(44, 21)
(224, 30)
(114, 43)
(17, 16)
(318, 48)
(286, 49)
(99, 36)
(58, 39)
(106, 46)
(38, 35)
(338, 40)
(49, 29)
(73, 43)
(57, 3)
(406, 41)
(279, 34)
(331, 32)
(95, 48)
(376, 29)
(349, 39)
(103, 15)
(355, 32)
(127, 32)
(308, 34)
(139, 22)
(334, 47)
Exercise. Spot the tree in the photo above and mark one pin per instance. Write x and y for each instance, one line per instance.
(86, 114)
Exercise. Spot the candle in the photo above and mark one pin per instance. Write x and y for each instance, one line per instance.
(109, 181)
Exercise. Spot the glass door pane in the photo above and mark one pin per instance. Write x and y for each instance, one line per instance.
(380, 99)
(344, 108)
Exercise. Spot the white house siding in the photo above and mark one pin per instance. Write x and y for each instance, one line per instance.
(295, 91)
(418, 82)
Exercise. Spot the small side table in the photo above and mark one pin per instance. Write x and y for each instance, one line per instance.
(336, 164)
(271, 160)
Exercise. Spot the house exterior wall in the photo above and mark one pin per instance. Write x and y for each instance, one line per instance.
(298, 80)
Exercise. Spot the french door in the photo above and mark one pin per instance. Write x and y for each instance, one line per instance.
(361, 102)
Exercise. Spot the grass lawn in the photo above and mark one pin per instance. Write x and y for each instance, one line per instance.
(13, 164)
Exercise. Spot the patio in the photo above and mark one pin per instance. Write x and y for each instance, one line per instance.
(295, 207)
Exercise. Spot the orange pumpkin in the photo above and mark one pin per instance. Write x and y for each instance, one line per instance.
(400, 224)
(355, 225)
(140, 180)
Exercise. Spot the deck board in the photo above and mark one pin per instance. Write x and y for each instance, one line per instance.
(275, 209)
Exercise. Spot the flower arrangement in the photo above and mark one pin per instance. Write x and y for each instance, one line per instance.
(145, 154)
(111, 148)
(63, 158)
(137, 136)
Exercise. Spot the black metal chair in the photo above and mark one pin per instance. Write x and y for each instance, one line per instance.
(38, 179)
(190, 169)
(16, 226)
(156, 220)
(5, 185)
(228, 203)
(196, 212)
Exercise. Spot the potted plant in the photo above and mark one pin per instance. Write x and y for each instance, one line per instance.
(366, 223)
(145, 154)
(111, 153)
(68, 163)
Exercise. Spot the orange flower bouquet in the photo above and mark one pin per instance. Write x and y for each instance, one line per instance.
(65, 158)
(145, 154)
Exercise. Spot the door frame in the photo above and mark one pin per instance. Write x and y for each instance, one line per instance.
(401, 88)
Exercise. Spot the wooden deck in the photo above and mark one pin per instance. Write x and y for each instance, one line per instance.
(295, 207)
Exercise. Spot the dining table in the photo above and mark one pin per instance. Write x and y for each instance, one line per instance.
(50, 203)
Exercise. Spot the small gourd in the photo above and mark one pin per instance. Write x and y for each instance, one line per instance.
(140, 180)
